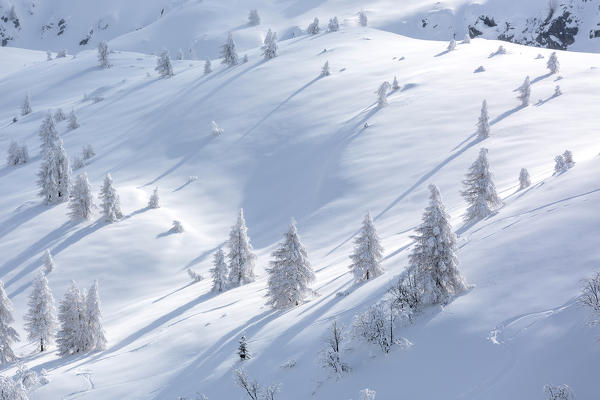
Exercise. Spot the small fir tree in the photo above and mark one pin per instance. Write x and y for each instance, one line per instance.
(480, 191)
(153, 202)
(269, 47)
(8, 335)
(553, 65)
(96, 339)
(180, 55)
(333, 25)
(73, 124)
(241, 257)
(362, 18)
(207, 67)
(59, 115)
(395, 84)
(368, 253)
(559, 165)
(243, 349)
(111, 206)
(26, 106)
(325, 69)
(290, 272)
(103, 55)
(568, 157)
(557, 91)
(483, 125)
(72, 335)
(164, 66)
(82, 200)
(253, 18)
(87, 152)
(48, 262)
(228, 52)
(525, 92)
(467, 38)
(54, 176)
(40, 320)
(524, 179)
(313, 27)
(382, 94)
(219, 272)
(452, 45)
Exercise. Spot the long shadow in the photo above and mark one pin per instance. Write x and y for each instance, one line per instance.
(397, 251)
(203, 256)
(541, 77)
(284, 102)
(173, 292)
(442, 53)
(542, 102)
(136, 212)
(507, 114)
(22, 217)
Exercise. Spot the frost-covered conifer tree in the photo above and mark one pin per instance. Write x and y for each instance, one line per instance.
(207, 67)
(433, 257)
(243, 349)
(40, 320)
(524, 179)
(103, 55)
(164, 66)
(95, 340)
(8, 335)
(11, 390)
(72, 335)
(382, 94)
(368, 253)
(559, 164)
(525, 92)
(228, 52)
(180, 55)
(483, 125)
(54, 176)
(557, 91)
(333, 25)
(362, 18)
(313, 27)
(568, 157)
(253, 18)
(73, 124)
(153, 202)
(82, 204)
(480, 191)
(270, 45)
(26, 106)
(48, 262)
(17, 154)
(219, 272)
(59, 115)
(47, 134)
(290, 272)
(395, 84)
(111, 206)
(325, 69)
(240, 256)
(553, 65)
(452, 45)
(467, 38)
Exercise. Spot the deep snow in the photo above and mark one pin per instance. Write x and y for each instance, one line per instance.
(294, 146)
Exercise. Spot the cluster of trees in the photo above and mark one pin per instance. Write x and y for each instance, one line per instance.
(563, 162)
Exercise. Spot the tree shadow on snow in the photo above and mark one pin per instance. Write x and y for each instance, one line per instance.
(541, 77)
(507, 114)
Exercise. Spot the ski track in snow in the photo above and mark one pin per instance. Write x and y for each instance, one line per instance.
(87, 377)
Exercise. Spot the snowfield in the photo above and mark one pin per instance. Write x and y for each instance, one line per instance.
(295, 145)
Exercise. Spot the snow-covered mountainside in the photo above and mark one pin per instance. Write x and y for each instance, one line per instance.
(320, 150)
(199, 27)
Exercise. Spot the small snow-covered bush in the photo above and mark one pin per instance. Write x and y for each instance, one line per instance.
(253, 18)
(78, 162)
(288, 364)
(333, 25)
(481, 68)
(11, 390)
(103, 55)
(153, 202)
(325, 69)
(313, 27)
(367, 394)
(524, 179)
(194, 276)
(568, 157)
(559, 164)
(560, 392)
(452, 45)
(177, 227)
(59, 115)
(61, 54)
(17, 154)
(87, 152)
(216, 130)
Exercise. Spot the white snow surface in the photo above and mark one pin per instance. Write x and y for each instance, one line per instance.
(294, 146)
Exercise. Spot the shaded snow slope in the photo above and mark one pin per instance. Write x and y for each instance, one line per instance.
(294, 146)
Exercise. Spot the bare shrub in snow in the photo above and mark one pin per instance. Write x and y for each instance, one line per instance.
(26, 106)
(325, 69)
(313, 27)
(362, 18)
(290, 272)
(8, 335)
(382, 94)
(480, 191)
(376, 325)
(524, 179)
(164, 66)
(194, 276)
(367, 394)
(252, 388)
(40, 320)
(483, 124)
(153, 202)
(368, 253)
(553, 65)
(560, 392)
(253, 18)
(82, 200)
(219, 272)
(331, 355)
(241, 257)
(17, 154)
(103, 55)
(228, 52)
(333, 25)
(525, 92)
(405, 294)
(590, 296)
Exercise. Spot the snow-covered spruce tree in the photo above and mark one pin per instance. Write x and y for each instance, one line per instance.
(194, 276)
(73, 124)
(103, 55)
(96, 340)
(524, 179)
(525, 92)
(325, 69)
(26, 106)
(48, 262)
(11, 390)
(219, 272)
(8, 335)
(483, 124)
(240, 256)
(253, 17)
(395, 84)
(362, 18)
(557, 91)
(331, 357)
(207, 67)
(269, 47)
(382, 94)
(313, 27)
(368, 253)
(559, 165)
(153, 202)
(72, 335)
(179, 55)
(553, 65)
(228, 52)
(17, 154)
(333, 25)
(54, 176)
(163, 65)
(215, 129)
(48, 134)
(111, 206)
(40, 320)
(568, 156)
(59, 115)
(82, 204)
(433, 256)
(480, 191)
(467, 38)
(367, 394)
(243, 349)
(452, 45)
(290, 272)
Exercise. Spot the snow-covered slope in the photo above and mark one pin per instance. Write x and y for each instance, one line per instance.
(294, 146)
(200, 27)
